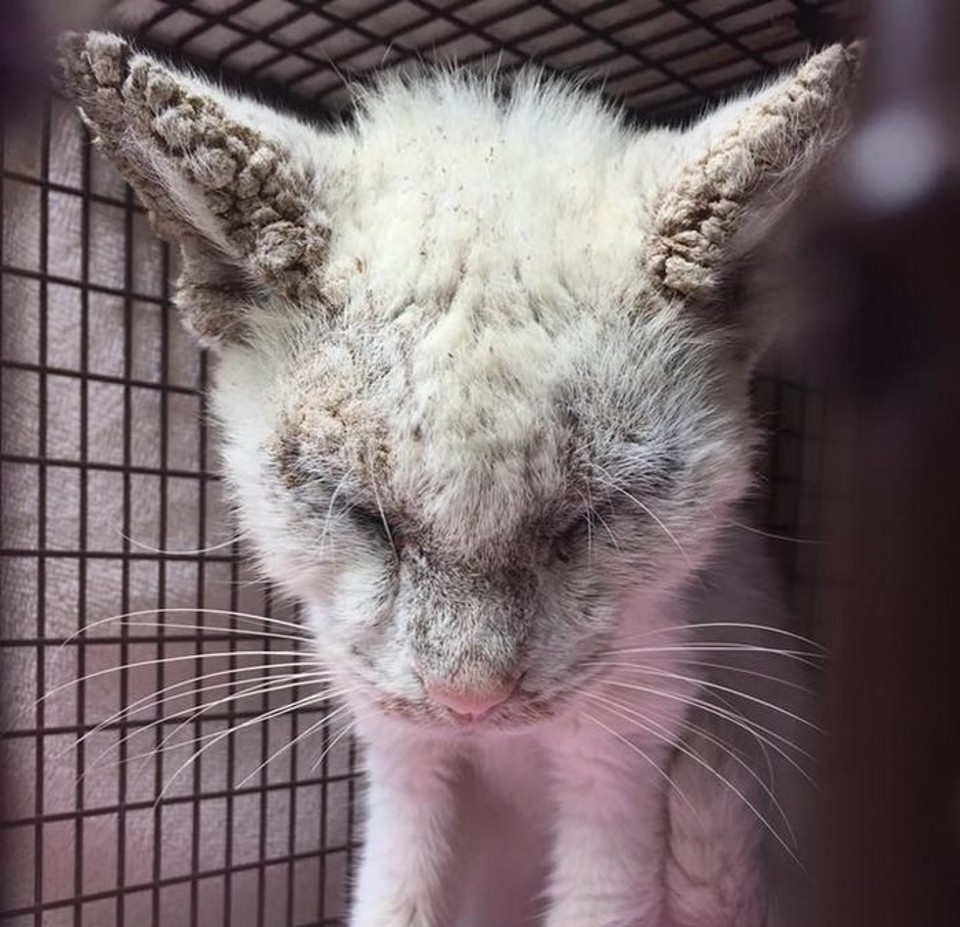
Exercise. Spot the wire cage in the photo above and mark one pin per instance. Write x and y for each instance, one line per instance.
(111, 502)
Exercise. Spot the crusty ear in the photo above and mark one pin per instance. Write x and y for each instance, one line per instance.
(231, 181)
(741, 165)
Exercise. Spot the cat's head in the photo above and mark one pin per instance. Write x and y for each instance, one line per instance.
(483, 401)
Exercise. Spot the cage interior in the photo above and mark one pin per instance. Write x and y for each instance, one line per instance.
(111, 501)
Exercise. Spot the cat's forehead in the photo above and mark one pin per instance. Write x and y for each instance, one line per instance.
(482, 409)
(451, 425)
(485, 274)
(453, 194)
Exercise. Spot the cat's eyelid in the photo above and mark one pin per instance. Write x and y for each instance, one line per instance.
(570, 523)
(363, 512)
(373, 518)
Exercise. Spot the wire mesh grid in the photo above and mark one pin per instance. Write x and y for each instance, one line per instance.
(111, 502)
(654, 55)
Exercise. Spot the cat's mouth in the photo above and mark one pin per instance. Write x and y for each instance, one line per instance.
(524, 708)
(518, 712)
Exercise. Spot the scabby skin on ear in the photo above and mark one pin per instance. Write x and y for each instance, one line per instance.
(747, 159)
(225, 178)
(244, 190)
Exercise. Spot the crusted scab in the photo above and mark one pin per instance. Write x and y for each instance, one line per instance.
(161, 89)
(245, 180)
(220, 203)
(237, 147)
(332, 430)
(289, 205)
(248, 185)
(260, 165)
(263, 216)
(182, 127)
(106, 59)
(304, 438)
(96, 60)
(91, 68)
(214, 168)
(697, 216)
(287, 454)
(238, 172)
(280, 246)
(263, 162)
(156, 86)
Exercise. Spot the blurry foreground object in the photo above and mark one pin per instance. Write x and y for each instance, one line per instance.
(882, 274)
(27, 31)
(23, 68)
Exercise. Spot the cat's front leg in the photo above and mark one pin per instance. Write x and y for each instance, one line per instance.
(410, 824)
(609, 839)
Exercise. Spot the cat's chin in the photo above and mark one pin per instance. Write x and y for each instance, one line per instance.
(506, 719)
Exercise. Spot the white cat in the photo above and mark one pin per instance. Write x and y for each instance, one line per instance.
(485, 412)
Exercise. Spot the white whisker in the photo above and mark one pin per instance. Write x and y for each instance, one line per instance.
(770, 534)
(716, 687)
(737, 625)
(325, 695)
(326, 751)
(706, 664)
(260, 719)
(166, 661)
(748, 725)
(167, 745)
(606, 527)
(219, 629)
(588, 508)
(687, 750)
(330, 519)
(194, 712)
(219, 612)
(161, 696)
(801, 656)
(328, 693)
(385, 523)
(643, 755)
(644, 508)
(175, 553)
(326, 719)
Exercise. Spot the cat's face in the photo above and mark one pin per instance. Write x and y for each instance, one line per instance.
(484, 520)
(477, 410)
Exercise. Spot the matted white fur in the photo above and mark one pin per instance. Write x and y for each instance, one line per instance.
(484, 413)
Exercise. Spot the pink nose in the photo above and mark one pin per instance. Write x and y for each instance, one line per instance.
(469, 703)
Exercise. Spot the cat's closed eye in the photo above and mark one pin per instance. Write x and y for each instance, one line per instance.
(375, 524)
(564, 543)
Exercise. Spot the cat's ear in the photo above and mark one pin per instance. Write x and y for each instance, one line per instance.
(238, 186)
(738, 168)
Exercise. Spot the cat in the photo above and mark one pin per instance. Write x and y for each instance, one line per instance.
(484, 411)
